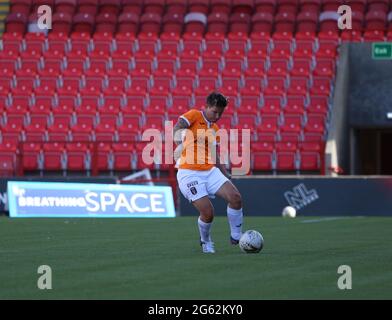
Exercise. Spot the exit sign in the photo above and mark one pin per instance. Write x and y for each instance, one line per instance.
(382, 50)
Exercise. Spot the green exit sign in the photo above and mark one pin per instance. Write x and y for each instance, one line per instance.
(382, 50)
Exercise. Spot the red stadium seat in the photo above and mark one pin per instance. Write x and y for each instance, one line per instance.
(35, 132)
(310, 161)
(20, 6)
(269, 124)
(195, 24)
(172, 26)
(87, 7)
(206, 85)
(303, 49)
(210, 67)
(263, 161)
(65, 6)
(180, 105)
(286, 161)
(183, 86)
(262, 25)
(154, 122)
(298, 86)
(301, 68)
(53, 156)
(105, 23)
(275, 86)
(128, 24)
(242, 6)
(109, 6)
(123, 156)
(77, 156)
(150, 26)
(176, 7)
(129, 130)
(271, 105)
(331, 5)
(311, 146)
(59, 131)
(15, 24)
(255, 67)
(268, 6)
(307, 24)
(278, 67)
(321, 86)
(284, 25)
(83, 22)
(156, 105)
(328, 26)
(31, 156)
(310, 6)
(133, 105)
(315, 124)
(264, 146)
(132, 6)
(217, 26)
(253, 87)
(164, 67)
(191, 47)
(61, 24)
(233, 68)
(239, 26)
(287, 6)
(101, 157)
(220, 6)
(201, 6)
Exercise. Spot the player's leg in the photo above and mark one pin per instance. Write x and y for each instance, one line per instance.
(193, 187)
(232, 196)
(206, 216)
(218, 184)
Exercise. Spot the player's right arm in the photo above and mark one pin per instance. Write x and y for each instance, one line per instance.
(178, 130)
(178, 133)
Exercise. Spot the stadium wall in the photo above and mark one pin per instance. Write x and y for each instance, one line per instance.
(268, 195)
(337, 156)
(312, 196)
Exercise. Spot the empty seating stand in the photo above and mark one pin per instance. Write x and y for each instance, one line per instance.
(80, 96)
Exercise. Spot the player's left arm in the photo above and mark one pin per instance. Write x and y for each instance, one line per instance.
(221, 167)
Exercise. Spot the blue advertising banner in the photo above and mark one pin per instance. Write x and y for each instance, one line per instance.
(79, 200)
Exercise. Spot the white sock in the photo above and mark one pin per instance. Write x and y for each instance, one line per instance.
(204, 229)
(235, 220)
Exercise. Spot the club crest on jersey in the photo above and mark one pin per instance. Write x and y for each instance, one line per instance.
(193, 190)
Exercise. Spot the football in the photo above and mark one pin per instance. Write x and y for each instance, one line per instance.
(251, 241)
(289, 212)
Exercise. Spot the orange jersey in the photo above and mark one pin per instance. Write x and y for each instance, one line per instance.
(199, 142)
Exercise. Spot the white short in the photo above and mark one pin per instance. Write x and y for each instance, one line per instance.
(195, 184)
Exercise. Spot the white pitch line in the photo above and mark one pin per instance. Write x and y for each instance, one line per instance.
(324, 219)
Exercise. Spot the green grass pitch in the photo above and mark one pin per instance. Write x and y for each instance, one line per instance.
(161, 259)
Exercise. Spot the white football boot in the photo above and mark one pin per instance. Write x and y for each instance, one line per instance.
(207, 247)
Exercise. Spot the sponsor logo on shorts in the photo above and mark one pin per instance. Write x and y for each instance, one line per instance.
(191, 184)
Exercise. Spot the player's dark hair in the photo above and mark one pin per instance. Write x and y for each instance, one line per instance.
(217, 99)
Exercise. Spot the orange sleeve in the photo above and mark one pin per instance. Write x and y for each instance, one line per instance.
(190, 116)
